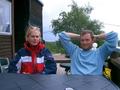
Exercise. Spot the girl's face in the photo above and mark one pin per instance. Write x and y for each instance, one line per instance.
(33, 37)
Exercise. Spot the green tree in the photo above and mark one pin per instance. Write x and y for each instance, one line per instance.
(77, 19)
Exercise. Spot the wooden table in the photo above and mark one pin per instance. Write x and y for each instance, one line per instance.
(60, 58)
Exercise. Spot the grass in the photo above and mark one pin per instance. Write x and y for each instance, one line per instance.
(55, 47)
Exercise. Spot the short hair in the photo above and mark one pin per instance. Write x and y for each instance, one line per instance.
(83, 32)
(29, 28)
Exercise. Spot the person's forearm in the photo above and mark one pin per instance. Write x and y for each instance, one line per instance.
(77, 36)
(100, 36)
(73, 35)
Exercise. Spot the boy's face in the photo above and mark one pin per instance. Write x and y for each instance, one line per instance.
(86, 41)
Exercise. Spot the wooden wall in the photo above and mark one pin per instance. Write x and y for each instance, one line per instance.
(6, 46)
(36, 13)
(21, 18)
(25, 12)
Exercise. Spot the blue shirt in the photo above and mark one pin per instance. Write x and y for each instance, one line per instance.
(88, 62)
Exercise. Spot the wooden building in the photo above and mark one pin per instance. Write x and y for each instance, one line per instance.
(21, 13)
(5, 29)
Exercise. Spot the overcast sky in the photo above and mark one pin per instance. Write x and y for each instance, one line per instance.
(106, 11)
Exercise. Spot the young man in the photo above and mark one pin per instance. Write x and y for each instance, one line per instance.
(84, 59)
(34, 57)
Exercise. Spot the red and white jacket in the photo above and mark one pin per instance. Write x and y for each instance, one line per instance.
(30, 60)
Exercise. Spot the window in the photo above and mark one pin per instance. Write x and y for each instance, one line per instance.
(5, 17)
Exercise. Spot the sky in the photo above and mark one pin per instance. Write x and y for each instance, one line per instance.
(106, 11)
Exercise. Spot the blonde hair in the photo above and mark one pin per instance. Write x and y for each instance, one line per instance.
(29, 29)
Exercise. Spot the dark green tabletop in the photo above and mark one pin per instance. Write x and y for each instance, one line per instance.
(54, 82)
